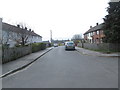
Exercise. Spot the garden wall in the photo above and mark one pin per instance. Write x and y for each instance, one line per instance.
(101, 46)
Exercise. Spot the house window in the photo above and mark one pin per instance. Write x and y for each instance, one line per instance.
(102, 32)
(91, 34)
(97, 32)
(88, 35)
(101, 40)
(94, 33)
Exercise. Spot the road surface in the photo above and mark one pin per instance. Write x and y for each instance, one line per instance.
(66, 69)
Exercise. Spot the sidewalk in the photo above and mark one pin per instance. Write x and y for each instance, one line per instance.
(95, 53)
(20, 63)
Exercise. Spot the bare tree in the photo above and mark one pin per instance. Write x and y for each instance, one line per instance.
(15, 37)
(77, 38)
(18, 34)
(23, 34)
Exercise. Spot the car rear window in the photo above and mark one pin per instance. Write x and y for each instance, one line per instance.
(70, 43)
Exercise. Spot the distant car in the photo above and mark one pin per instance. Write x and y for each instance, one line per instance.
(55, 45)
(69, 45)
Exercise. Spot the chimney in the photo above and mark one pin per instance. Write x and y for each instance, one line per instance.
(96, 24)
(18, 26)
(25, 28)
(30, 30)
(90, 27)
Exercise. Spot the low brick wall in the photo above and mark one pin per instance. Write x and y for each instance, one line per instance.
(11, 54)
(101, 46)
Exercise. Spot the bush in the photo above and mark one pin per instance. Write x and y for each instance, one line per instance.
(48, 45)
(5, 46)
(38, 46)
(18, 45)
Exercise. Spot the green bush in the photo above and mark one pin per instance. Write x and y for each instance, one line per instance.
(17, 45)
(5, 46)
(38, 46)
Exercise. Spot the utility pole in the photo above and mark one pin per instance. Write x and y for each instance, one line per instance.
(51, 36)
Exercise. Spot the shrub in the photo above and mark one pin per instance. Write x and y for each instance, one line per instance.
(17, 45)
(38, 46)
(5, 46)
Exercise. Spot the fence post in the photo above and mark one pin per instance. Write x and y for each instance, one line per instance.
(108, 47)
(0, 52)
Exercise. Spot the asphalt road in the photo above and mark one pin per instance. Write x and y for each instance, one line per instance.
(66, 69)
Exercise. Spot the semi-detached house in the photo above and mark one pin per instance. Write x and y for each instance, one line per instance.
(11, 35)
(94, 34)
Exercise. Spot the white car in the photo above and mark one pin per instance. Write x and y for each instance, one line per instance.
(55, 45)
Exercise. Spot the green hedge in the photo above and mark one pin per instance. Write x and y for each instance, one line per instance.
(38, 46)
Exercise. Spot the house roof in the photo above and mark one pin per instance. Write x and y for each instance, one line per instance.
(12, 28)
(98, 27)
(16, 29)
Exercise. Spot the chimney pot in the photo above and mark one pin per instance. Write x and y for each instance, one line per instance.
(26, 28)
(30, 30)
(18, 25)
(90, 27)
(96, 24)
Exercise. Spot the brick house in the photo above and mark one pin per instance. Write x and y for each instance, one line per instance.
(94, 34)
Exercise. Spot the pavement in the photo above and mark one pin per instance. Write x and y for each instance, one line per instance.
(21, 63)
(25, 61)
(95, 53)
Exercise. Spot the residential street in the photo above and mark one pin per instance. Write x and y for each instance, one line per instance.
(66, 69)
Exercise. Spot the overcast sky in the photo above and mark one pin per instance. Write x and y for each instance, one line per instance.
(64, 17)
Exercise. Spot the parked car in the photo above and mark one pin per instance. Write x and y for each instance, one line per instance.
(69, 45)
(55, 45)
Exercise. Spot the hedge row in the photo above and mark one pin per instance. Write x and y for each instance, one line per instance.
(38, 46)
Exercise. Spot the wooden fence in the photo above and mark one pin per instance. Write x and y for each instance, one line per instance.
(10, 54)
(101, 46)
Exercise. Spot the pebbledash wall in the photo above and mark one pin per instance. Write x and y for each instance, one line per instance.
(101, 46)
